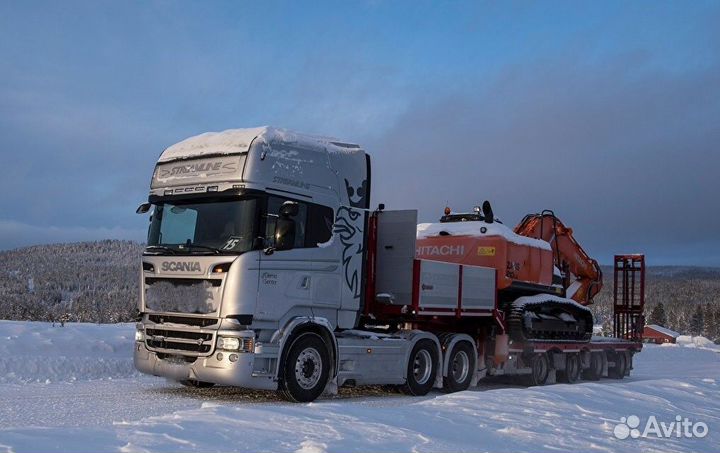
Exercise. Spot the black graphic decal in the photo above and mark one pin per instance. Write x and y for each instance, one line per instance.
(351, 237)
(357, 196)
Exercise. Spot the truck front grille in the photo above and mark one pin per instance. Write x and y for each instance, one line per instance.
(186, 320)
(170, 340)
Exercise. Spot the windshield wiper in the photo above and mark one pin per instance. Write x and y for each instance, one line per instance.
(164, 248)
(216, 251)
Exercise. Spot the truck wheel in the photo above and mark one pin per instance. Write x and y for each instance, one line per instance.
(422, 368)
(197, 384)
(306, 369)
(540, 366)
(620, 367)
(571, 373)
(461, 367)
(594, 372)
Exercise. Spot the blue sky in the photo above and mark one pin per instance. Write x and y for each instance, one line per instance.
(605, 112)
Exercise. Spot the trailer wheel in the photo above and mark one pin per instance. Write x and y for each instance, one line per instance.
(594, 372)
(461, 367)
(306, 369)
(540, 366)
(571, 373)
(620, 367)
(421, 369)
(197, 384)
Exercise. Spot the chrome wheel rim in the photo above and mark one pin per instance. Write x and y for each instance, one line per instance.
(460, 366)
(422, 366)
(308, 368)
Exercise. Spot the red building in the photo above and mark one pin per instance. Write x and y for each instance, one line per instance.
(659, 334)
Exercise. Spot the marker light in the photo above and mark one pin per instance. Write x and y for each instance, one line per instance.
(221, 268)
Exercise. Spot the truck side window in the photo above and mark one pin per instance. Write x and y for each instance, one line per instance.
(320, 224)
(273, 210)
(313, 223)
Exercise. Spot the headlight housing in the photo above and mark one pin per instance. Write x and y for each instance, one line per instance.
(228, 343)
(242, 344)
(139, 335)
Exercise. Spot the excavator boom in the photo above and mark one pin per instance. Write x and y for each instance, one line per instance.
(582, 275)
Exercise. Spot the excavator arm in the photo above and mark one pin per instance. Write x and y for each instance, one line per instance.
(582, 277)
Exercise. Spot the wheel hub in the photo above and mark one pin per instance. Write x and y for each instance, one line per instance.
(422, 367)
(308, 367)
(460, 366)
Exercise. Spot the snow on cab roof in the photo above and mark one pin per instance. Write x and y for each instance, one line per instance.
(663, 330)
(234, 141)
(473, 228)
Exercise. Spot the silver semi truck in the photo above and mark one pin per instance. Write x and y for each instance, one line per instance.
(265, 268)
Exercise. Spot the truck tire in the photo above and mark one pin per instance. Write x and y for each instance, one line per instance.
(461, 367)
(305, 370)
(540, 366)
(421, 369)
(618, 370)
(197, 384)
(594, 371)
(572, 370)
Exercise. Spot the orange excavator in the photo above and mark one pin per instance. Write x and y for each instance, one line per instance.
(544, 277)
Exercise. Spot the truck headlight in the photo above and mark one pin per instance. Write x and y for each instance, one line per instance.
(139, 335)
(228, 343)
(244, 344)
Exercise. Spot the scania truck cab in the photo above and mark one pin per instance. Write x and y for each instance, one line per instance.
(265, 268)
(256, 243)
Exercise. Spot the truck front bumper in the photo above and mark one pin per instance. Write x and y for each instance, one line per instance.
(206, 369)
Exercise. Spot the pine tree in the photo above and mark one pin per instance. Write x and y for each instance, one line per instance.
(658, 316)
(711, 328)
(697, 321)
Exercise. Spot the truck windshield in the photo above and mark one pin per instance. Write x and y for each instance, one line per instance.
(212, 226)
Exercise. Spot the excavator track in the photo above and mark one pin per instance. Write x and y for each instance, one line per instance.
(548, 318)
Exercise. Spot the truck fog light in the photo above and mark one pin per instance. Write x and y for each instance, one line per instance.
(233, 357)
(228, 343)
(139, 335)
(219, 356)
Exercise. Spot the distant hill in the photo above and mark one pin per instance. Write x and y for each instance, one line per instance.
(92, 281)
(97, 282)
(690, 299)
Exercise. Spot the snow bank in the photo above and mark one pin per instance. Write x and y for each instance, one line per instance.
(39, 352)
(473, 228)
(695, 342)
(140, 414)
(666, 382)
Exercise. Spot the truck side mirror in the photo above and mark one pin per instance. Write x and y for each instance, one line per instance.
(289, 209)
(284, 233)
(143, 208)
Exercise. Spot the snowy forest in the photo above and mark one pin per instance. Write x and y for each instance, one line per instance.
(98, 282)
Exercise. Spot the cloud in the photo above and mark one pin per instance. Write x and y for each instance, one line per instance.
(16, 234)
(623, 151)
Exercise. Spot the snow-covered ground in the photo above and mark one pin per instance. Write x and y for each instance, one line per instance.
(74, 389)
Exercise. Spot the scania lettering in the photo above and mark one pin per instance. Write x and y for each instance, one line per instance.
(266, 268)
(180, 266)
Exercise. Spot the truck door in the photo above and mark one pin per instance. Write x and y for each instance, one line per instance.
(304, 280)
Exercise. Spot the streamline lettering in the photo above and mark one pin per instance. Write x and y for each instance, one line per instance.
(442, 250)
(180, 266)
(197, 168)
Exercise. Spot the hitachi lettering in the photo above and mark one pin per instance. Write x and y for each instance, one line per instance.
(442, 250)
(180, 266)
